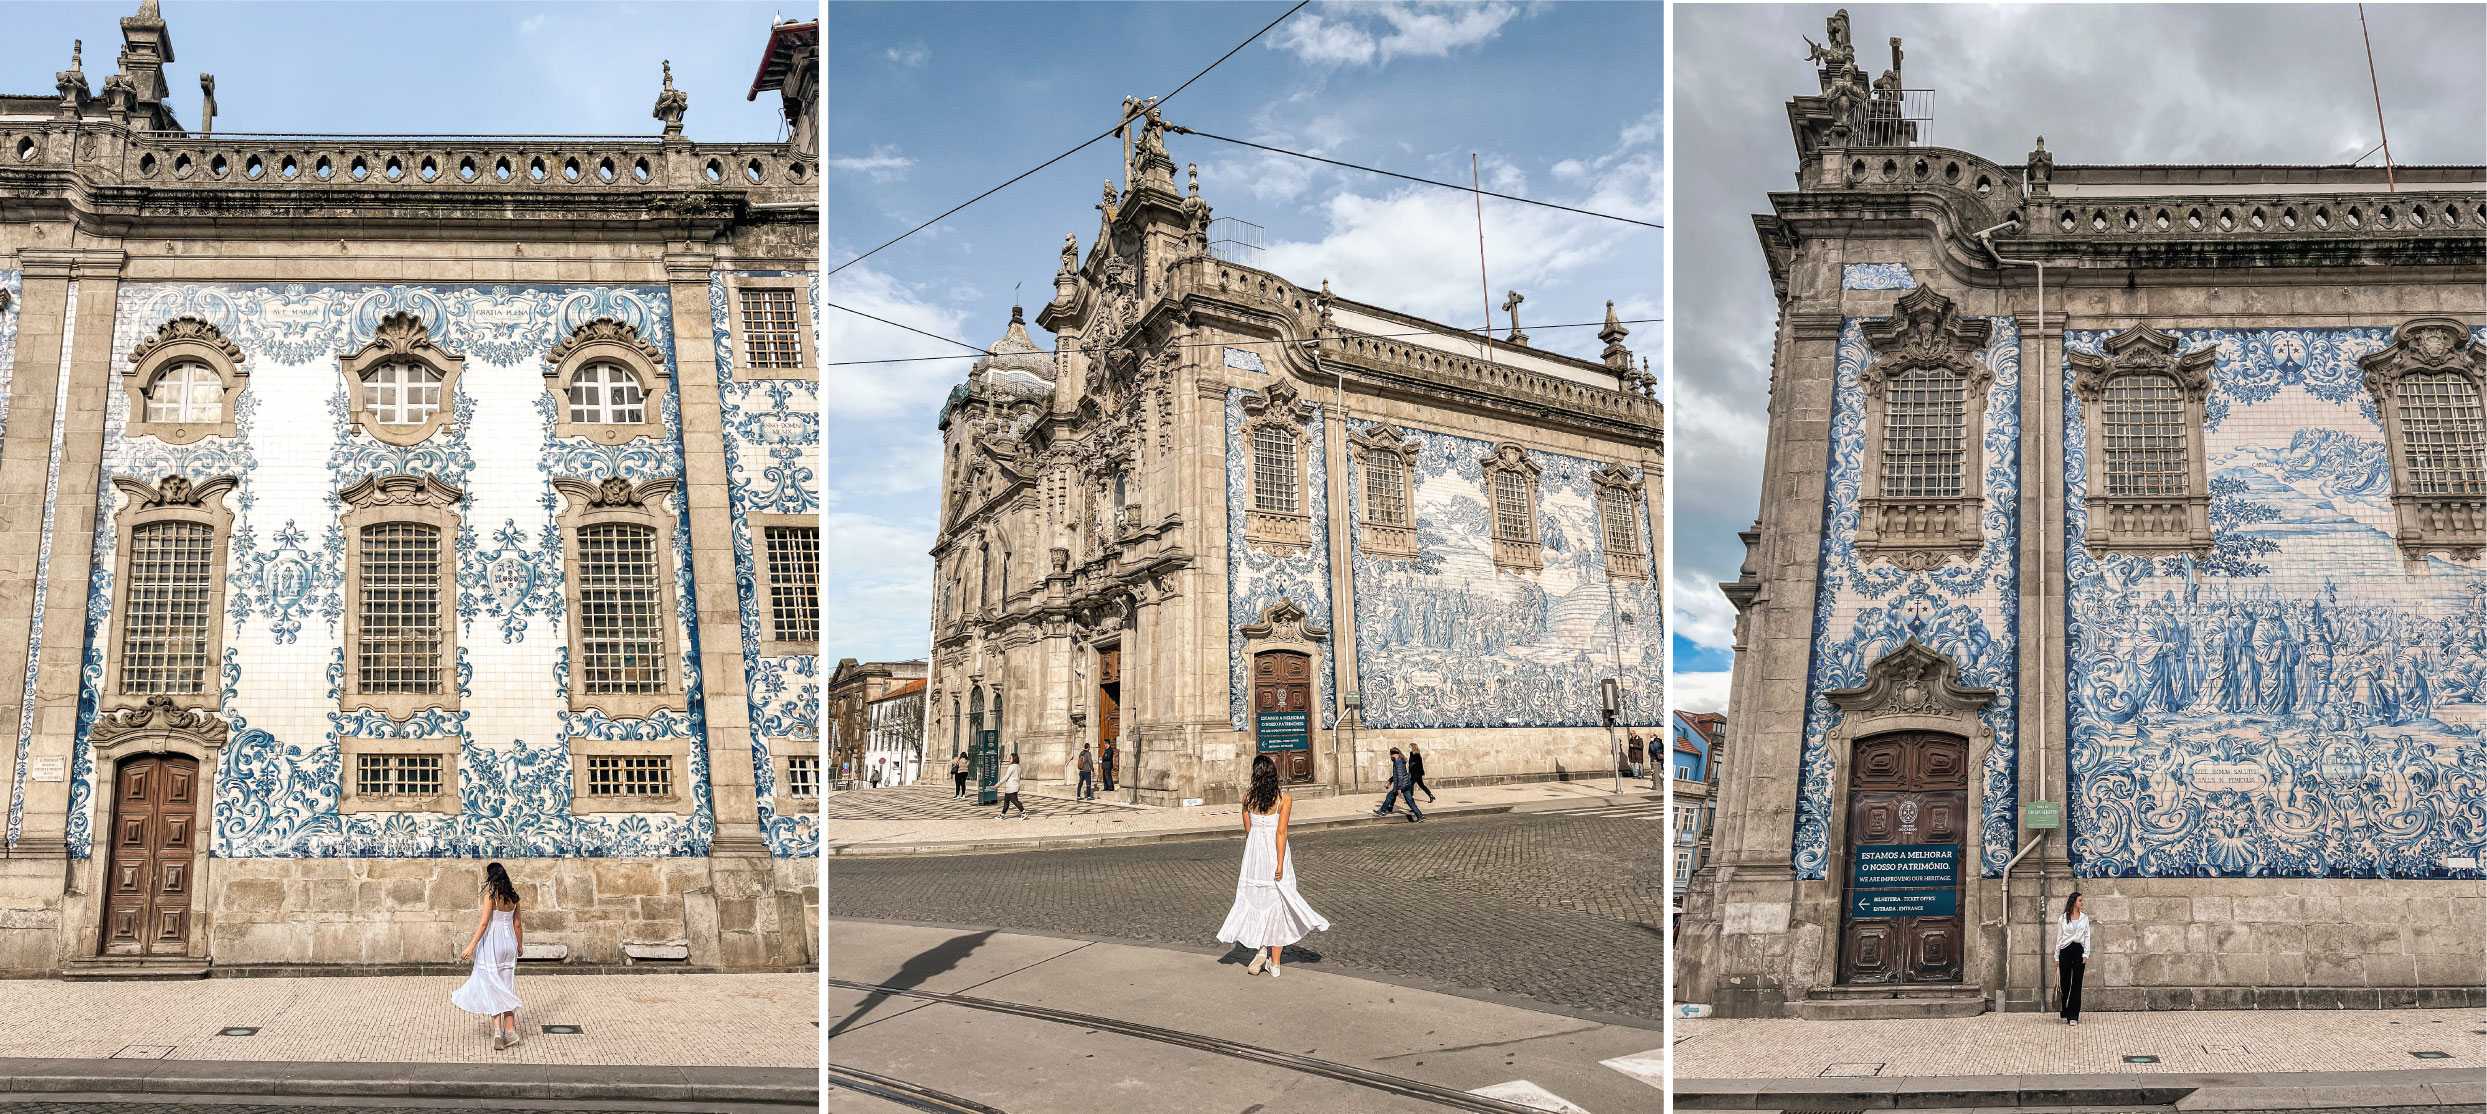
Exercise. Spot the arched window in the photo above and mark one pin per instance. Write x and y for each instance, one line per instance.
(402, 393)
(187, 392)
(1273, 470)
(2142, 433)
(1925, 431)
(606, 394)
(2441, 435)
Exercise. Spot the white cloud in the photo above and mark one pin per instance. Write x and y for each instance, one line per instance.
(1702, 614)
(880, 392)
(884, 164)
(880, 599)
(911, 56)
(1697, 692)
(531, 24)
(1354, 35)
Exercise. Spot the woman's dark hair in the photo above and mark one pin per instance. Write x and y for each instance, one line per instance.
(2069, 902)
(497, 881)
(1263, 796)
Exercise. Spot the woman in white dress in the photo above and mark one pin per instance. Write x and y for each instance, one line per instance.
(1268, 913)
(493, 989)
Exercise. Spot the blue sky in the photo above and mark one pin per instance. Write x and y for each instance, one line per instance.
(428, 68)
(930, 104)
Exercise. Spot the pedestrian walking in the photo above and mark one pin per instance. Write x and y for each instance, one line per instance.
(2072, 943)
(1416, 775)
(492, 989)
(1108, 760)
(1634, 754)
(1087, 776)
(958, 775)
(1010, 789)
(1400, 784)
(1268, 912)
(875, 779)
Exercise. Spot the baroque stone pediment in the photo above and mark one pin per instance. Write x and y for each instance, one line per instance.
(2141, 350)
(2426, 345)
(174, 491)
(1913, 680)
(1926, 330)
(159, 715)
(606, 330)
(196, 330)
(1283, 621)
(614, 491)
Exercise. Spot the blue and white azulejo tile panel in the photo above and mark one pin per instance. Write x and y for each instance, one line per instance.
(772, 445)
(1258, 578)
(279, 779)
(1967, 612)
(1450, 640)
(12, 283)
(1876, 276)
(2305, 702)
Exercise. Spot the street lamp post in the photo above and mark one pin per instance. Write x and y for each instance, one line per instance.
(1611, 690)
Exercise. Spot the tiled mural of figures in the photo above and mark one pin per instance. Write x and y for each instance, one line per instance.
(1865, 610)
(2304, 703)
(1449, 640)
(280, 779)
(1257, 578)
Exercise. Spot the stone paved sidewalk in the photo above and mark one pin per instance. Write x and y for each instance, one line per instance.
(2185, 1041)
(764, 1020)
(1059, 822)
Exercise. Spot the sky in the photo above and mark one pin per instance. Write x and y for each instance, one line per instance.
(931, 104)
(428, 68)
(2120, 84)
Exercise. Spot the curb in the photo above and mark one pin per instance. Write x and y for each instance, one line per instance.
(1216, 831)
(793, 1087)
(2249, 1090)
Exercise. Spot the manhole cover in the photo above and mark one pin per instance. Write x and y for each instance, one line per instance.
(1852, 1070)
(2141, 1059)
(566, 1030)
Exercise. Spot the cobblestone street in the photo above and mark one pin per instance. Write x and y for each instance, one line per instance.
(934, 802)
(1561, 908)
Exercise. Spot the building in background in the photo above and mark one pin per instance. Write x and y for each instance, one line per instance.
(1232, 515)
(894, 727)
(853, 686)
(2167, 589)
(1692, 766)
(377, 506)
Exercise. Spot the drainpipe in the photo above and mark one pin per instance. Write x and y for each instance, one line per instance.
(2045, 642)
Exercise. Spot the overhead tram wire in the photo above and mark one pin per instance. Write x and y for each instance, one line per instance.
(1118, 126)
(979, 352)
(1414, 178)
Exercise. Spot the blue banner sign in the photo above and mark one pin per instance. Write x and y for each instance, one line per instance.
(1908, 865)
(1904, 903)
(1286, 731)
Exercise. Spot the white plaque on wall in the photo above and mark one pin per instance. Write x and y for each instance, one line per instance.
(53, 768)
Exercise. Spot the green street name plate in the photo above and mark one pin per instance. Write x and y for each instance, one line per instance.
(2041, 815)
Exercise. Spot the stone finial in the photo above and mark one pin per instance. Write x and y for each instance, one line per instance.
(1192, 176)
(1616, 355)
(1511, 305)
(72, 83)
(2041, 169)
(1324, 303)
(207, 104)
(149, 9)
(671, 104)
(1070, 251)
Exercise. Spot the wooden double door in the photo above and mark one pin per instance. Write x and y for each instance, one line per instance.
(1908, 825)
(154, 856)
(1282, 706)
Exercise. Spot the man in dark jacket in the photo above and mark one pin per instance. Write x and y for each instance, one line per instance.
(1399, 784)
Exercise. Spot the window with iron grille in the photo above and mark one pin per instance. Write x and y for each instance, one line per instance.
(1386, 489)
(803, 775)
(2441, 435)
(187, 393)
(769, 330)
(621, 632)
(1273, 470)
(165, 621)
(1925, 423)
(606, 394)
(628, 775)
(399, 639)
(2142, 430)
(1623, 535)
(397, 775)
(402, 392)
(1511, 509)
(794, 582)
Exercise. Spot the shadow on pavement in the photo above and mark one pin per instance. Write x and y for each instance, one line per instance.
(916, 971)
(1291, 955)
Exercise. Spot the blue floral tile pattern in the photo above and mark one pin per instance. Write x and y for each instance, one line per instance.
(1876, 276)
(1257, 578)
(2304, 702)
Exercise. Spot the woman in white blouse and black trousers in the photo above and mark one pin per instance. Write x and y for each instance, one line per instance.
(2072, 945)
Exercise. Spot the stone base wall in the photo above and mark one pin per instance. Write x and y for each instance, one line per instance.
(30, 915)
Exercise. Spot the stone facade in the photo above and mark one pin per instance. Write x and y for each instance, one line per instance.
(1143, 528)
(894, 743)
(2251, 648)
(289, 279)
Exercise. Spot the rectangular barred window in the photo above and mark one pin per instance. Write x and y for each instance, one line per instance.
(397, 775)
(794, 582)
(1273, 470)
(2142, 425)
(1925, 424)
(2441, 432)
(630, 776)
(400, 643)
(621, 637)
(1386, 489)
(1622, 534)
(164, 626)
(803, 775)
(769, 324)
(1511, 508)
